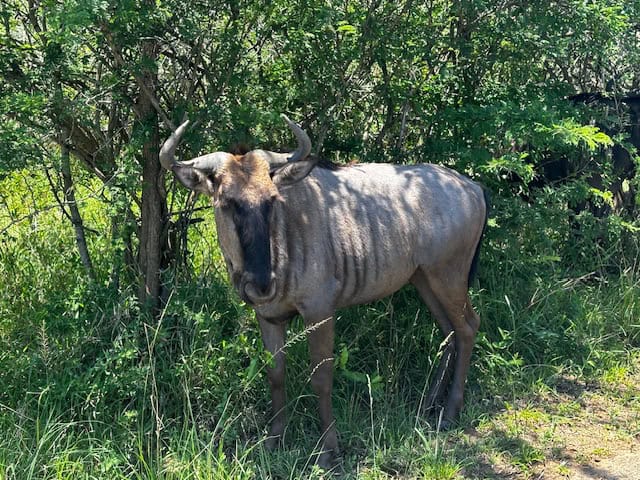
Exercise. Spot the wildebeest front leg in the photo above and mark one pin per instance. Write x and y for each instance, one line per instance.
(273, 337)
(320, 336)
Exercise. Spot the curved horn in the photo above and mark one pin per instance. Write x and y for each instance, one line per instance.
(168, 151)
(209, 162)
(304, 143)
(304, 147)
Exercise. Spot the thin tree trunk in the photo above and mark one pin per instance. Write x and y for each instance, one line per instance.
(154, 205)
(124, 260)
(74, 212)
(403, 129)
(153, 208)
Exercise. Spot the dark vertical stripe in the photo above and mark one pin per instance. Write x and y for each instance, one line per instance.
(290, 243)
(374, 243)
(274, 229)
(252, 225)
(351, 264)
(365, 237)
(358, 262)
(344, 253)
(333, 254)
(302, 230)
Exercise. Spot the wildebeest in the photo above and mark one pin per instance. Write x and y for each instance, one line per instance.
(299, 238)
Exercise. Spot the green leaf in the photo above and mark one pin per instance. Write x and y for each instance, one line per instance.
(346, 28)
(572, 133)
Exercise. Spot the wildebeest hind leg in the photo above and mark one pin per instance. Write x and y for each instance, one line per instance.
(440, 380)
(451, 292)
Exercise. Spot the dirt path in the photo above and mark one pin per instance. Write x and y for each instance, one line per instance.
(625, 466)
(572, 431)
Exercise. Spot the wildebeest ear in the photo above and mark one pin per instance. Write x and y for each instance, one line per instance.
(291, 173)
(194, 179)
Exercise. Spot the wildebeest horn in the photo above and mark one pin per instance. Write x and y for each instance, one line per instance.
(304, 143)
(304, 147)
(168, 150)
(209, 162)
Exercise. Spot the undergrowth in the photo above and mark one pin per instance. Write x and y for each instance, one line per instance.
(92, 387)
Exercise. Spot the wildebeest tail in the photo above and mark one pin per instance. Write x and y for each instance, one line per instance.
(474, 263)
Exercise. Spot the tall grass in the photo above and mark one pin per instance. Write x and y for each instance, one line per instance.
(94, 388)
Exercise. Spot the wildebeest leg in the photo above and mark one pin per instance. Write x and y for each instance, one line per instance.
(440, 380)
(273, 337)
(451, 292)
(320, 336)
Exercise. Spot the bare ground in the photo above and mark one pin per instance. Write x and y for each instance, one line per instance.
(573, 430)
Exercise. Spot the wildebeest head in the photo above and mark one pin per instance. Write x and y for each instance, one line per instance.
(243, 189)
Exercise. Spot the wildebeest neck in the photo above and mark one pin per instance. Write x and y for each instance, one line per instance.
(252, 224)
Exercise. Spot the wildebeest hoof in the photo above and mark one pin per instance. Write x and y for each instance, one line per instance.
(446, 425)
(328, 461)
(433, 407)
(273, 442)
